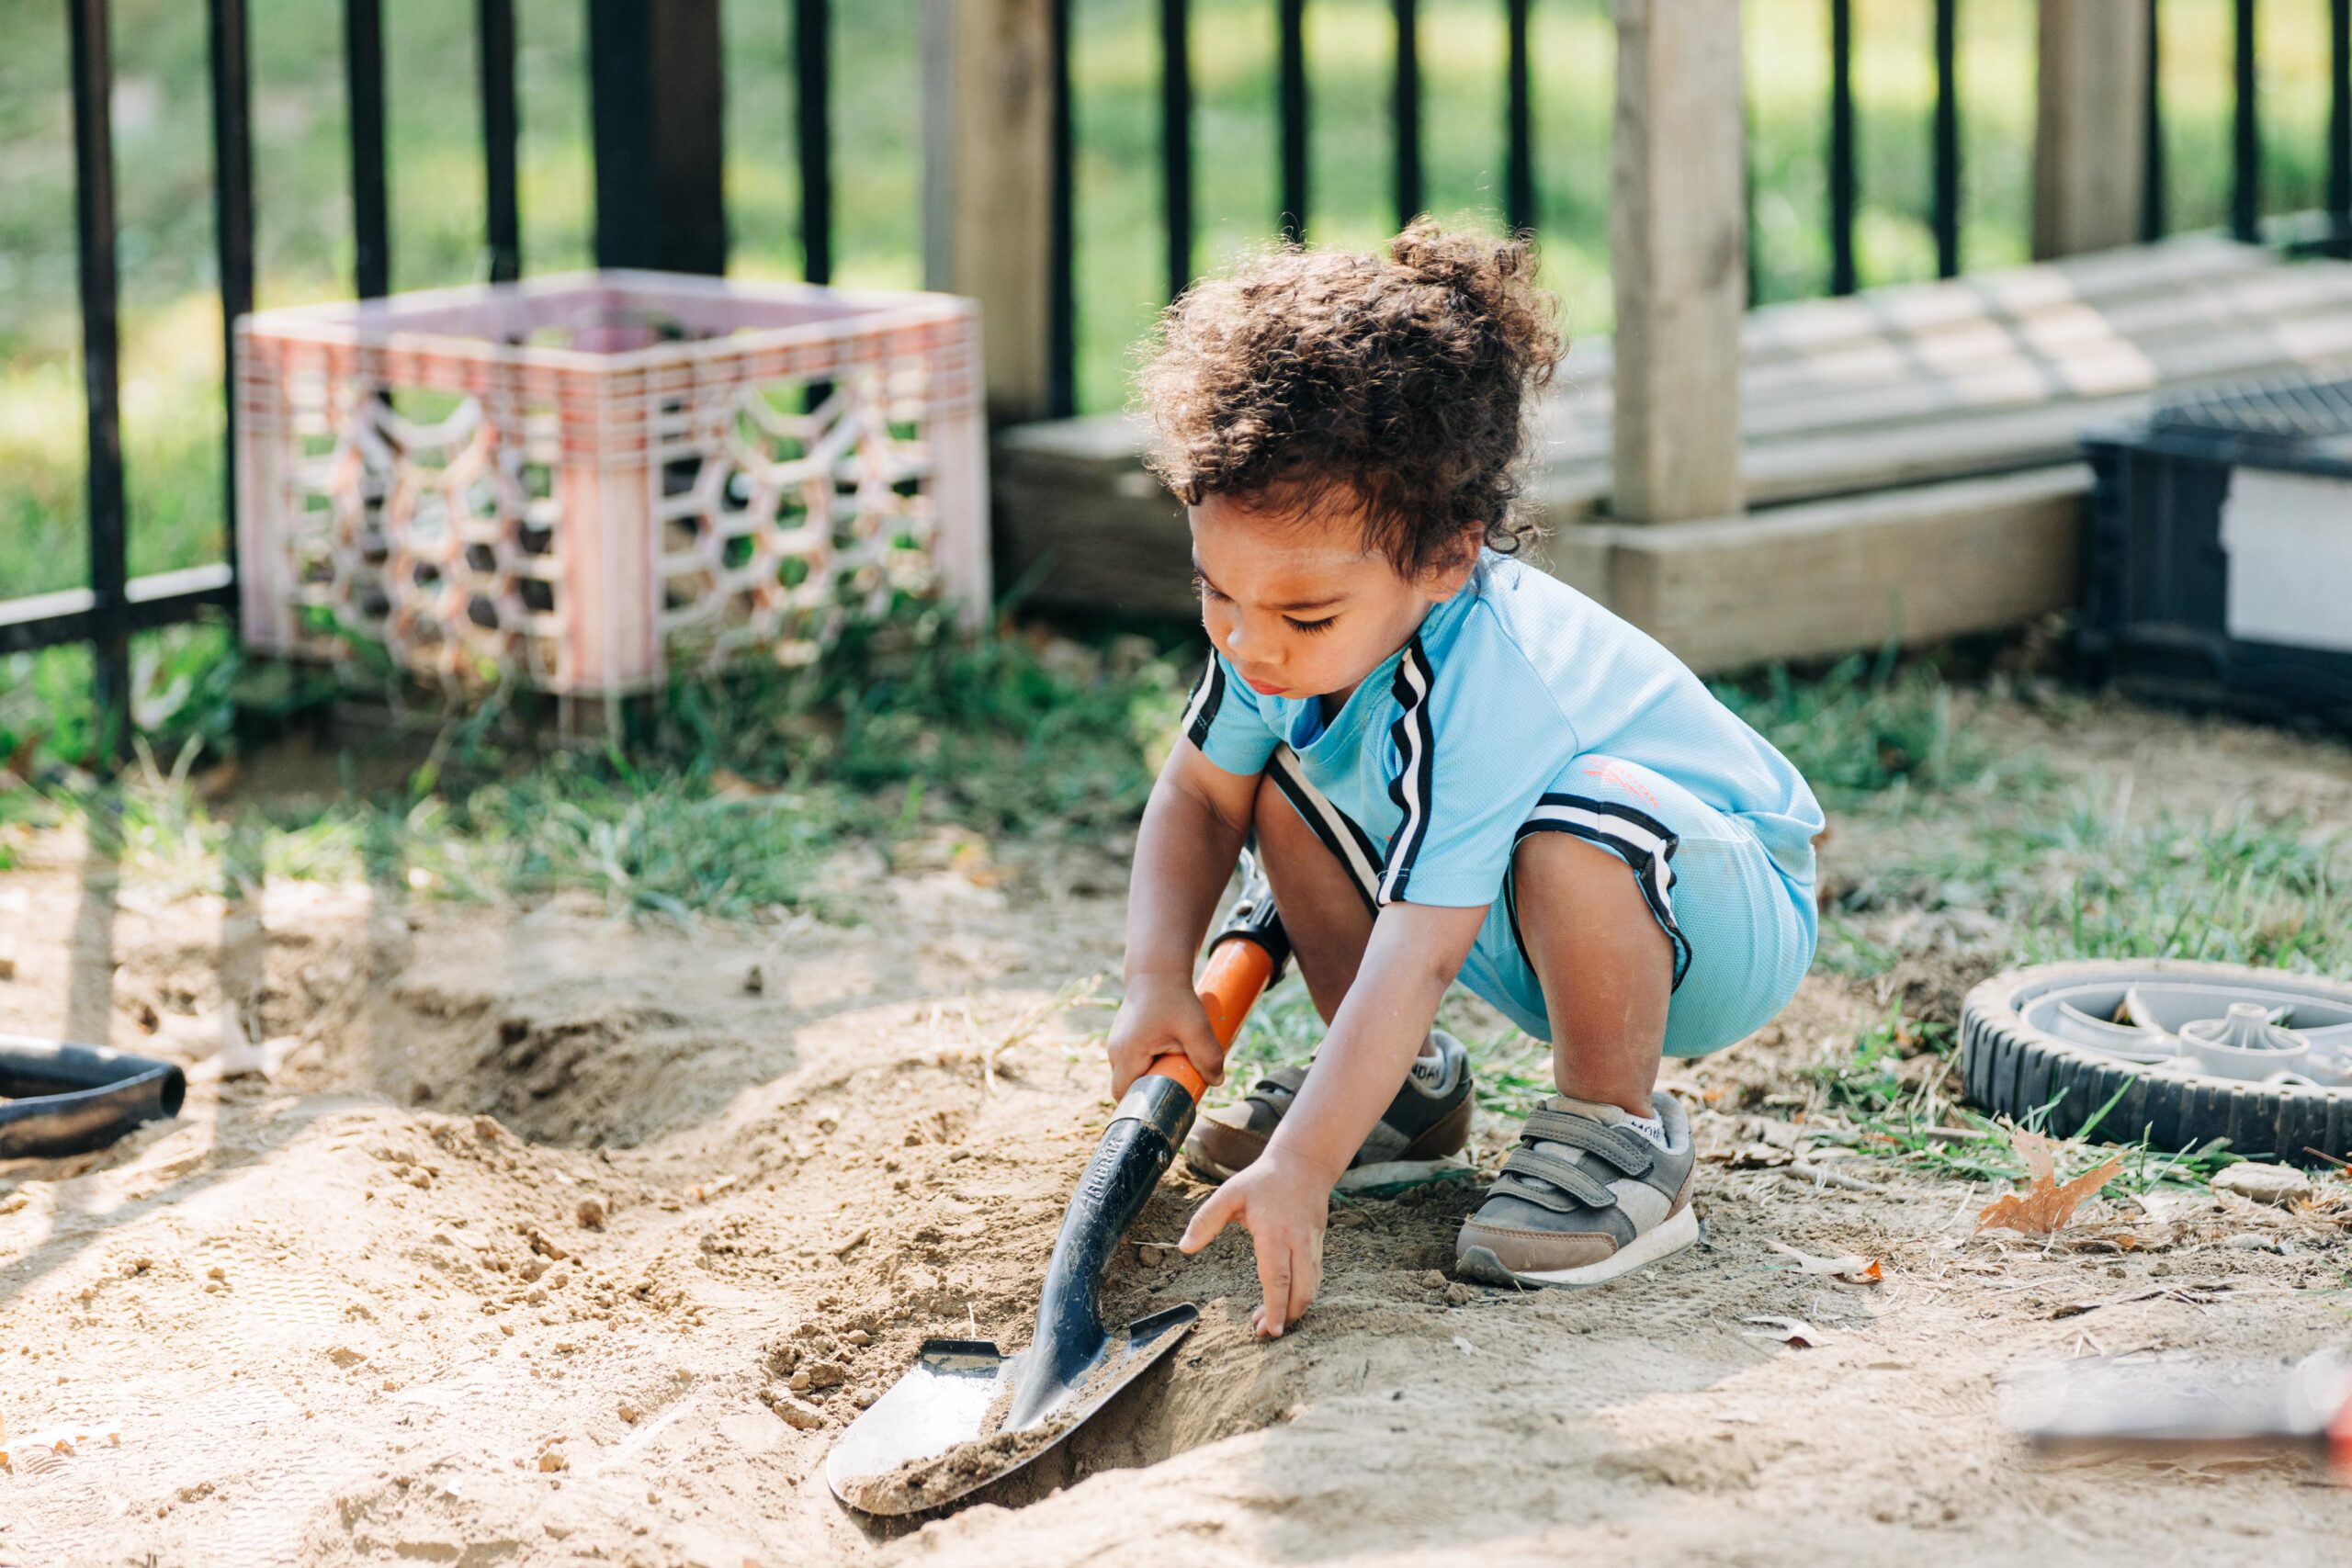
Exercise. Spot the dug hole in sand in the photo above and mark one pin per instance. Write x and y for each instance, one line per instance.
(532, 1236)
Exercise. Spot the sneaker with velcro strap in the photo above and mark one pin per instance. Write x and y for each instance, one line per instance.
(1584, 1198)
(1418, 1138)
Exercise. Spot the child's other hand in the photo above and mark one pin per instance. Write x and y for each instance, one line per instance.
(1285, 1209)
(1162, 1017)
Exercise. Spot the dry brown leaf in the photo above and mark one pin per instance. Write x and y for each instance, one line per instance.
(1852, 1267)
(2045, 1206)
(1791, 1331)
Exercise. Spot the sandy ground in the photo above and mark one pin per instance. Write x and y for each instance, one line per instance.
(514, 1251)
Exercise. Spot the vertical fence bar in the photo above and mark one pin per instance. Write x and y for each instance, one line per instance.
(1061, 277)
(363, 64)
(2339, 124)
(1947, 222)
(657, 118)
(1519, 131)
(101, 384)
(2246, 149)
(1176, 138)
(1754, 294)
(812, 109)
(2152, 219)
(501, 133)
(1292, 99)
(232, 230)
(1408, 112)
(1841, 147)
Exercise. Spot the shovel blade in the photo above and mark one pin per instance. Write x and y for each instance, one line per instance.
(944, 1402)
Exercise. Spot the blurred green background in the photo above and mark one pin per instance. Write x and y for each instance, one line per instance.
(171, 357)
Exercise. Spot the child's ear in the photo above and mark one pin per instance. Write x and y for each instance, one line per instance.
(1443, 582)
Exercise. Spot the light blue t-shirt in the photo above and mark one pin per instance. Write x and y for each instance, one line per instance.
(1441, 753)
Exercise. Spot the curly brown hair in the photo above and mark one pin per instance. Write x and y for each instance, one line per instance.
(1403, 378)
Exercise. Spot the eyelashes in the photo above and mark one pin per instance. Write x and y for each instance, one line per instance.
(1311, 629)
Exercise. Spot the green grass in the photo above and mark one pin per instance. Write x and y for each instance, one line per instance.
(1871, 726)
(2069, 880)
(1920, 1123)
(725, 805)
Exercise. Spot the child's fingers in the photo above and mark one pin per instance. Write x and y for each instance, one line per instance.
(1274, 1272)
(1209, 1220)
(1306, 1279)
(1202, 1050)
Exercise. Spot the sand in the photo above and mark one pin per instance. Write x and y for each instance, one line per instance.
(526, 1235)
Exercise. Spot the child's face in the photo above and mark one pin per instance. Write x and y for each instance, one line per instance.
(1296, 603)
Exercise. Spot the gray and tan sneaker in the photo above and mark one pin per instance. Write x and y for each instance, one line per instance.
(1583, 1199)
(1419, 1137)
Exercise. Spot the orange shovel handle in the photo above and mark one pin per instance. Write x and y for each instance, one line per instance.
(1236, 976)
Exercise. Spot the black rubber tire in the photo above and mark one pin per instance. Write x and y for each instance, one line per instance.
(2008, 1066)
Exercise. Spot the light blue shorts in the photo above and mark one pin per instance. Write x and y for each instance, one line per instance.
(1743, 929)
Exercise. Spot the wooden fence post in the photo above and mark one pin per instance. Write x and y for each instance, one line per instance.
(1677, 243)
(2090, 143)
(988, 183)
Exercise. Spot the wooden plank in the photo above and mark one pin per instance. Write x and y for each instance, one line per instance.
(1092, 534)
(1801, 328)
(1915, 566)
(2057, 353)
(1822, 458)
(1678, 249)
(2089, 138)
(987, 182)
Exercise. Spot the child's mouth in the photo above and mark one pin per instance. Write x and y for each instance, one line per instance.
(1263, 688)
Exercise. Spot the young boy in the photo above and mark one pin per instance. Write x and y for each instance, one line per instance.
(1452, 766)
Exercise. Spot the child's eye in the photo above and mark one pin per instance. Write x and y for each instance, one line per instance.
(1200, 586)
(1310, 627)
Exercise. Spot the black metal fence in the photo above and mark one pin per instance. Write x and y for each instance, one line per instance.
(657, 189)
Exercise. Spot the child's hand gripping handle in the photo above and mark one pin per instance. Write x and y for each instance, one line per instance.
(1244, 959)
(1238, 974)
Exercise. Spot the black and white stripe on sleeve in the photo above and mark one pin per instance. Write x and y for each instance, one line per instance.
(1416, 741)
(1200, 709)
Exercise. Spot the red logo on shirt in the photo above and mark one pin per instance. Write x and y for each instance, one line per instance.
(1609, 772)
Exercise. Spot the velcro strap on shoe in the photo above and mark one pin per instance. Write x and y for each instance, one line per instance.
(1578, 1185)
(1279, 1087)
(1629, 1151)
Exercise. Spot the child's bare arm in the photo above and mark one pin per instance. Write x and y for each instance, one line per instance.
(1283, 1195)
(1415, 952)
(1192, 831)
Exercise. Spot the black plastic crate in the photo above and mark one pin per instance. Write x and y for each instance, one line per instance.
(2156, 584)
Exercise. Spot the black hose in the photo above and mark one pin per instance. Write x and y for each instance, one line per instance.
(58, 1098)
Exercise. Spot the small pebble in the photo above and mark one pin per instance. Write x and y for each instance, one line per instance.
(799, 1416)
(1459, 1294)
(591, 1213)
(629, 1413)
(2277, 1185)
(858, 1336)
(1433, 1280)
(755, 980)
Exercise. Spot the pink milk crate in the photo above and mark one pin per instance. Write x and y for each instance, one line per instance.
(584, 482)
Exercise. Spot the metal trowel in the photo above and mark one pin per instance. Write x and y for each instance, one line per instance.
(966, 1414)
